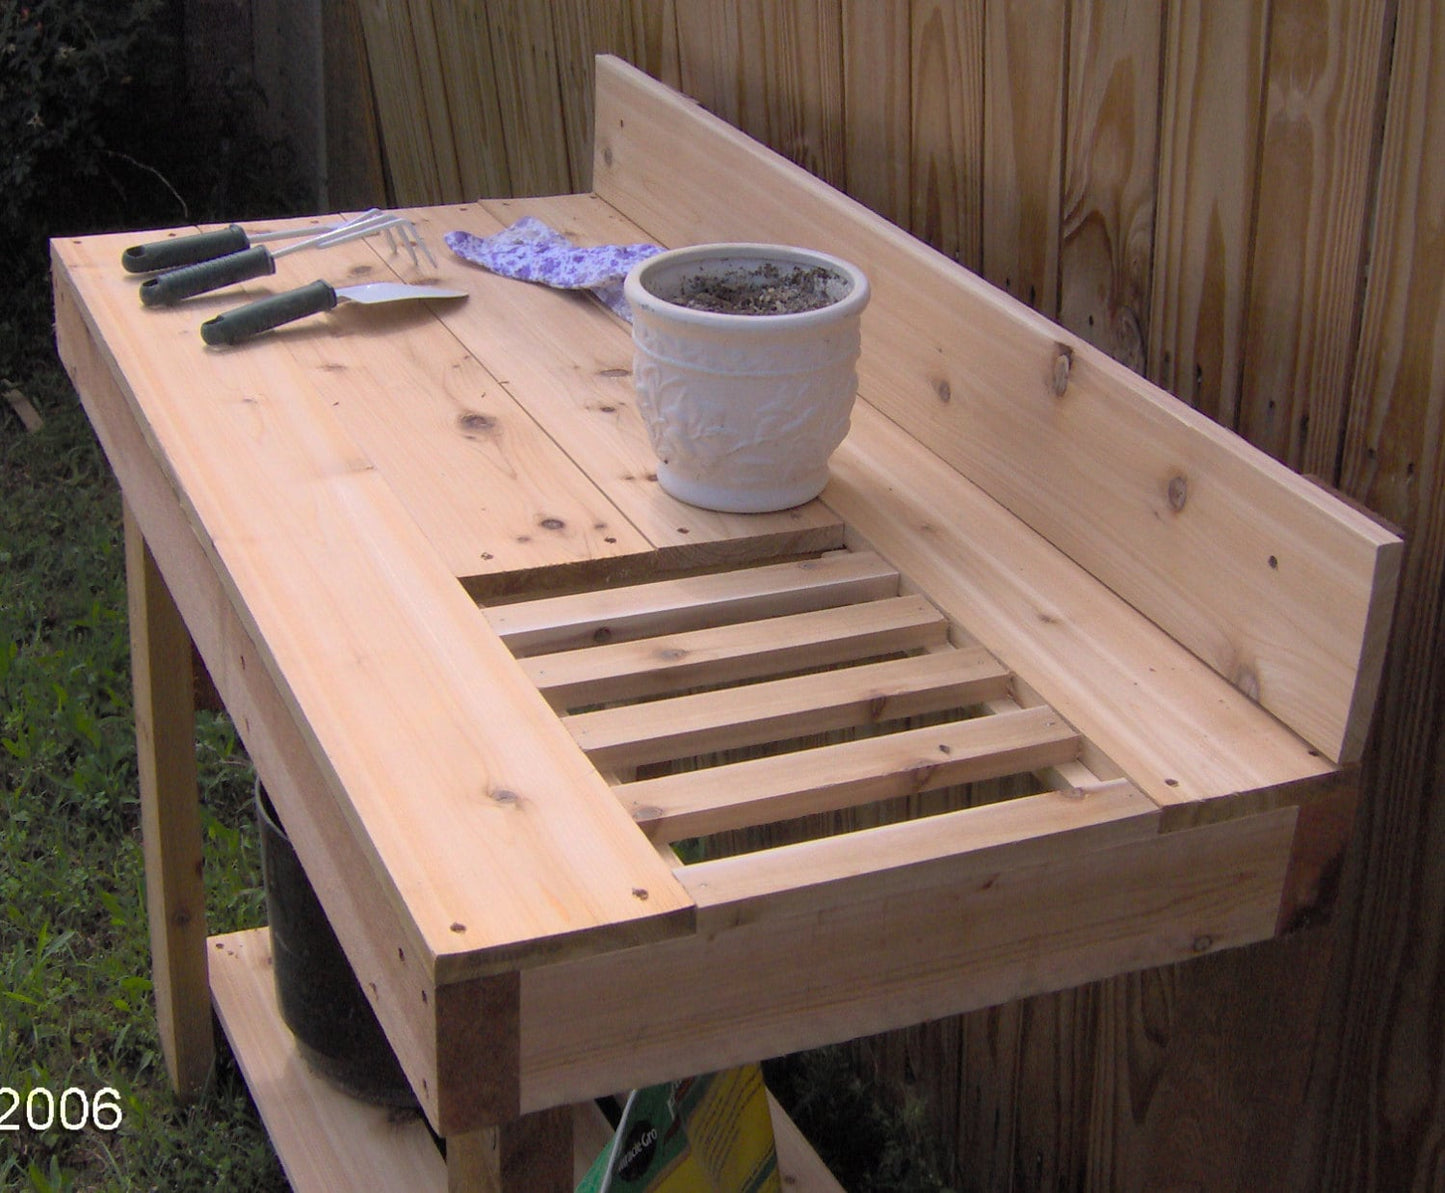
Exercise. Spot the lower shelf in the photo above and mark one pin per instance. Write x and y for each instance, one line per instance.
(328, 1140)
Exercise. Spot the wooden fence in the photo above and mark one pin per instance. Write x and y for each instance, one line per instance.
(1242, 199)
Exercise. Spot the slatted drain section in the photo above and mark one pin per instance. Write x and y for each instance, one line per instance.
(774, 692)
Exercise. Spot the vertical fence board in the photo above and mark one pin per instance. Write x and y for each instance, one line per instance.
(1209, 135)
(406, 138)
(708, 51)
(1379, 1120)
(1023, 110)
(947, 103)
(1320, 129)
(1109, 174)
(479, 133)
(524, 58)
(790, 70)
(354, 179)
(877, 106)
(653, 36)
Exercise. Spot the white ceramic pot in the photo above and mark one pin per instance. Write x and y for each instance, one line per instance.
(744, 410)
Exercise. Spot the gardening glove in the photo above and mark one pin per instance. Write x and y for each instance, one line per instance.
(530, 251)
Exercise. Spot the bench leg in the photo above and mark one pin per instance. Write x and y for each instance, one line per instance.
(531, 1155)
(170, 816)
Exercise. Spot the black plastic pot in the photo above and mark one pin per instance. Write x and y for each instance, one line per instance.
(321, 1001)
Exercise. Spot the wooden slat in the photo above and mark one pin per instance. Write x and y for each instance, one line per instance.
(825, 778)
(1111, 148)
(727, 654)
(465, 63)
(1204, 534)
(946, 153)
(1319, 137)
(790, 80)
(877, 98)
(417, 171)
(692, 602)
(524, 55)
(1023, 119)
(890, 860)
(1208, 143)
(706, 722)
(1372, 1041)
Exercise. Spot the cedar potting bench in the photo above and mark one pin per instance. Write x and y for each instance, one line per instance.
(1081, 677)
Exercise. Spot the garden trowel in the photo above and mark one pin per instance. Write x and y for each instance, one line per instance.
(252, 319)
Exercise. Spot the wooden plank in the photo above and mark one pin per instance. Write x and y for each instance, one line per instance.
(708, 722)
(569, 360)
(489, 488)
(1321, 124)
(878, 107)
(799, 1167)
(316, 552)
(652, 30)
(1248, 565)
(1023, 112)
(892, 860)
(354, 177)
(727, 654)
(466, 68)
(524, 56)
(943, 949)
(165, 727)
(826, 778)
(1107, 240)
(946, 150)
(692, 602)
(326, 1139)
(1375, 1033)
(708, 57)
(531, 1155)
(1208, 144)
(416, 172)
(790, 81)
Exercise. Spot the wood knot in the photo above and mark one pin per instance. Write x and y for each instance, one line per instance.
(1178, 492)
(1063, 365)
(552, 524)
(473, 422)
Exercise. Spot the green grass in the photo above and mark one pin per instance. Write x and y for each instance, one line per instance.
(75, 998)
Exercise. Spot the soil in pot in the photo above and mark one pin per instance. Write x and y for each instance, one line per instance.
(764, 289)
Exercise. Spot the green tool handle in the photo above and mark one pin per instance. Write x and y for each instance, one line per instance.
(265, 313)
(184, 250)
(190, 280)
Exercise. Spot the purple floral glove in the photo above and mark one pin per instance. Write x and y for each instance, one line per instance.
(530, 251)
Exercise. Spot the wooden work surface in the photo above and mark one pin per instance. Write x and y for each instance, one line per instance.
(375, 523)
